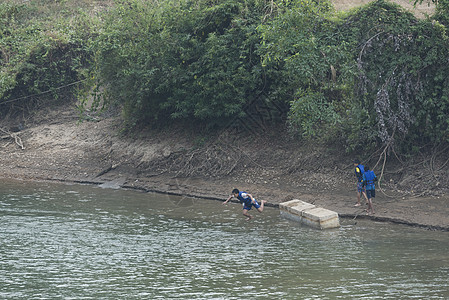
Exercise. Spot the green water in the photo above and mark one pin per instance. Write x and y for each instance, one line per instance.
(84, 242)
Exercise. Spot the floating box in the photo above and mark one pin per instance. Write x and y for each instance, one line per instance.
(295, 206)
(309, 214)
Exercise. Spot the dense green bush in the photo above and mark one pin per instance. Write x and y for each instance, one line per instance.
(401, 81)
(41, 58)
(375, 76)
(194, 61)
(316, 64)
(377, 73)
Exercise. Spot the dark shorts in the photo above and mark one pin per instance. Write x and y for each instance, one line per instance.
(360, 187)
(248, 207)
(370, 193)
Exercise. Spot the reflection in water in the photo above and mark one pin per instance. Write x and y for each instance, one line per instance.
(61, 241)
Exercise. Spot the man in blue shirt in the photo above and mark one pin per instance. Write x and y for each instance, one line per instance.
(248, 201)
(369, 179)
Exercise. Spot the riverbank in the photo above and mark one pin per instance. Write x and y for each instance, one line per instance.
(58, 147)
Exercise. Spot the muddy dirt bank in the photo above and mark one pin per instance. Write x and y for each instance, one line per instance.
(58, 147)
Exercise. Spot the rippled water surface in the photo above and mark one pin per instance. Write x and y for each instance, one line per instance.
(84, 242)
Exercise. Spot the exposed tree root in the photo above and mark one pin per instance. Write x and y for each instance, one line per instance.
(428, 166)
(14, 136)
(215, 159)
(383, 156)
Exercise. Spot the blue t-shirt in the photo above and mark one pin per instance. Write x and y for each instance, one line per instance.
(244, 198)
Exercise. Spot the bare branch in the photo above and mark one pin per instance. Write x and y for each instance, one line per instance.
(14, 136)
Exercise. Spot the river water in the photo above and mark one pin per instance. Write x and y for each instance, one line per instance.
(84, 242)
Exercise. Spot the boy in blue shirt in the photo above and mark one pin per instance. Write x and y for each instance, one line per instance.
(369, 179)
(248, 201)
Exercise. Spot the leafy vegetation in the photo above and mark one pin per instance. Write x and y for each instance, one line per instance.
(376, 73)
(369, 78)
(187, 60)
(400, 78)
(44, 50)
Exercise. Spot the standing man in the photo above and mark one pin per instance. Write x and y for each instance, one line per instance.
(248, 201)
(369, 179)
(359, 171)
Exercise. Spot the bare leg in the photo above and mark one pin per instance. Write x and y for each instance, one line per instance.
(358, 199)
(370, 206)
(366, 197)
(247, 215)
(262, 205)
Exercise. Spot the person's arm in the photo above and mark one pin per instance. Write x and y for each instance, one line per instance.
(227, 200)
